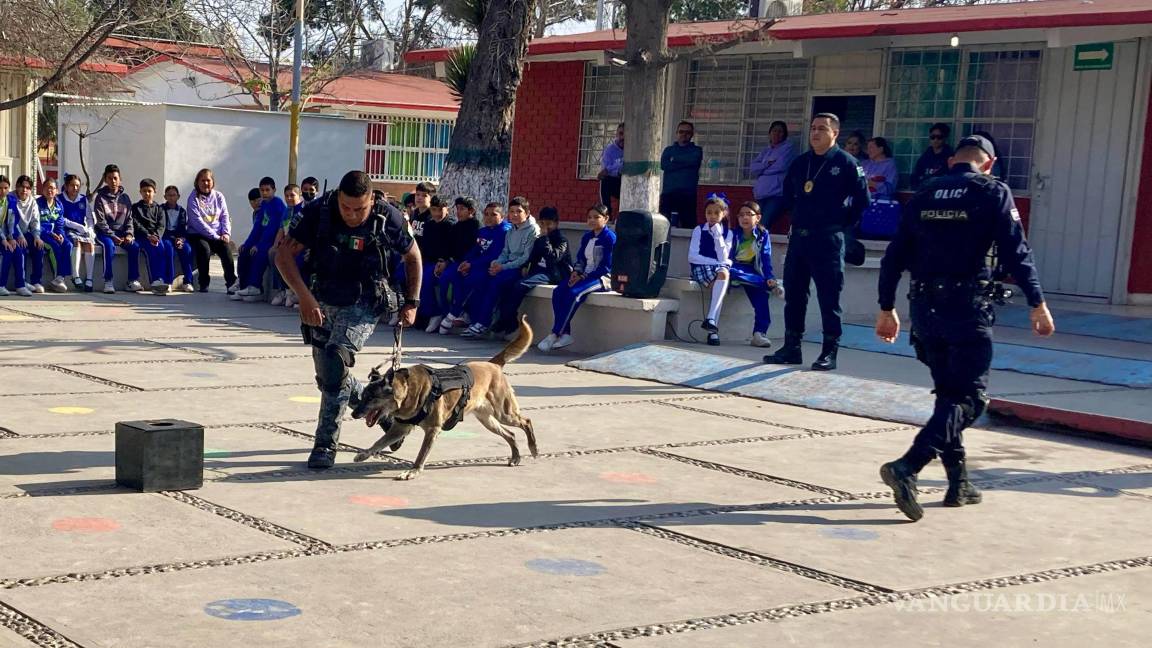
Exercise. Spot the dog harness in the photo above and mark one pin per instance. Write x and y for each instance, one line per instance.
(444, 380)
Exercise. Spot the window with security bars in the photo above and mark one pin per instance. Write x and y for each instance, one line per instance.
(733, 100)
(601, 112)
(406, 149)
(994, 91)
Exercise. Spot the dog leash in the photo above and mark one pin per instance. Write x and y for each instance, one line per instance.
(397, 349)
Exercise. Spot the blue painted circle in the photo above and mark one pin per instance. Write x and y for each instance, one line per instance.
(200, 374)
(565, 567)
(848, 533)
(243, 609)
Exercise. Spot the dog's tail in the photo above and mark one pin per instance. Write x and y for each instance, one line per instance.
(517, 347)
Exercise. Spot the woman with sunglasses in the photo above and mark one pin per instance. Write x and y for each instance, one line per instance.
(934, 160)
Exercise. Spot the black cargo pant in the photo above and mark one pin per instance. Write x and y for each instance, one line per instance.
(952, 335)
(814, 256)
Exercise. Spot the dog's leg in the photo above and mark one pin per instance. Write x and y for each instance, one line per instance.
(421, 457)
(509, 414)
(395, 433)
(488, 420)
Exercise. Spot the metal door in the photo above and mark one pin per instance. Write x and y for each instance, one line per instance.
(1080, 170)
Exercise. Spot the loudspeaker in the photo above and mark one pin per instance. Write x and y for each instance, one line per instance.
(159, 455)
(640, 260)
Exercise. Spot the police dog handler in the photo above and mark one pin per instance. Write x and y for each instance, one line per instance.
(944, 237)
(349, 237)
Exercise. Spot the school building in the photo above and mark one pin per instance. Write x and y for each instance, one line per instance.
(1062, 85)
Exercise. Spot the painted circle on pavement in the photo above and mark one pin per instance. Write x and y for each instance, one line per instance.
(565, 567)
(849, 533)
(628, 478)
(457, 434)
(384, 501)
(69, 409)
(85, 524)
(215, 453)
(251, 609)
(304, 399)
(201, 374)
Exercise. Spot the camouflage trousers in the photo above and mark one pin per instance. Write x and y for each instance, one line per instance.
(334, 347)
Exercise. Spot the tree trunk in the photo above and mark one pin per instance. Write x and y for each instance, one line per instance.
(481, 148)
(647, 58)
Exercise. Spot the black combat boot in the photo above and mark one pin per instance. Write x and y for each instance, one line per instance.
(322, 458)
(960, 490)
(902, 480)
(827, 359)
(790, 353)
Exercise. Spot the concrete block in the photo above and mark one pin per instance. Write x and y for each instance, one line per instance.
(159, 455)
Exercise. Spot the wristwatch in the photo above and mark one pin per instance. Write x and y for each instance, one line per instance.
(411, 302)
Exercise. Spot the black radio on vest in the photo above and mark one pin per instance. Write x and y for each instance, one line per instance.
(351, 264)
(640, 260)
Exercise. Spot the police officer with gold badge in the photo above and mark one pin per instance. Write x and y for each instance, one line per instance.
(826, 190)
(349, 237)
(944, 239)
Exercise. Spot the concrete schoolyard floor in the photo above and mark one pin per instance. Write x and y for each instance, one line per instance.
(657, 515)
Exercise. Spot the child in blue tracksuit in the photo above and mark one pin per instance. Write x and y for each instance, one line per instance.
(505, 269)
(752, 268)
(294, 203)
(708, 254)
(176, 235)
(549, 264)
(149, 223)
(472, 272)
(54, 234)
(589, 275)
(22, 238)
(253, 257)
(112, 212)
(80, 225)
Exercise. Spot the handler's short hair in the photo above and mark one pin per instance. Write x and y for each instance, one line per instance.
(355, 184)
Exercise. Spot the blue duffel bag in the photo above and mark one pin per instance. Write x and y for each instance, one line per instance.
(881, 219)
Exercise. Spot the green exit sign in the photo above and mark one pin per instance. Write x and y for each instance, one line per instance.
(1093, 56)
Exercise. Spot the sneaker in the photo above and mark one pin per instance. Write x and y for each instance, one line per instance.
(278, 298)
(254, 295)
(475, 332)
(236, 295)
(59, 285)
(761, 340)
(160, 287)
(563, 341)
(88, 287)
(23, 291)
(109, 289)
(548, 343)
(187, 287)
(713, 339)
(134, 286)
(434, 323)
(38, 289)
(290, 300)
(447, 323)
(4, 292)
(231, 289)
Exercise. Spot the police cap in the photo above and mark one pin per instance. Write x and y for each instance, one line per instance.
(980, 142)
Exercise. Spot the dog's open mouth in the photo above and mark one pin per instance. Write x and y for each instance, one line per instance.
(372, 416)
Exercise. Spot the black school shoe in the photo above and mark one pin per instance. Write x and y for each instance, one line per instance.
(713, 339)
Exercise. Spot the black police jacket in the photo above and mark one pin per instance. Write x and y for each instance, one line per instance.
(947, 229)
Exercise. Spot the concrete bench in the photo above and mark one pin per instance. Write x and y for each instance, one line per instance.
(606, 321)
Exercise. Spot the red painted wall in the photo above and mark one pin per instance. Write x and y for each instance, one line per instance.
(1140, 272)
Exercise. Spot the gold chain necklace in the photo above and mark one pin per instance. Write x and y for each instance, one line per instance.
(810, 184)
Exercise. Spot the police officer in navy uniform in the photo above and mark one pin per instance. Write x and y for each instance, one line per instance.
(350, 237)
(826, 190)
(944, 238)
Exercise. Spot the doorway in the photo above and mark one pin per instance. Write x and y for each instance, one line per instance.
(856, 112)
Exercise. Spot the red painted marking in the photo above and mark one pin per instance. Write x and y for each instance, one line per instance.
(85, 525)
(628, 478)
(1084, 421)
(385, 501)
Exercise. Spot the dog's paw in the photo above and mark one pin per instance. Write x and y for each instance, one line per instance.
(361, 456)
(513, 462)
(407, 475)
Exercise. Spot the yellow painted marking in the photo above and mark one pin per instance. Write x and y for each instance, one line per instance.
(67, 409)
(305, 399)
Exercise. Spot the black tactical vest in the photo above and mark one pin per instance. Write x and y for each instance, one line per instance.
(350, 266)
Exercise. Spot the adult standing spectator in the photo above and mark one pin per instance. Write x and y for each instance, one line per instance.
(611, 166)
(210, 230)
(680, 163)
(880, 169)
(854, 145)
(350, 238)
(934, 160)
(826, 191)
(769, 169)
(944, 238)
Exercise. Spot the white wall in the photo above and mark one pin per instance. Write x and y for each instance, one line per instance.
(242, 146)
(166, 83)
(171, 143)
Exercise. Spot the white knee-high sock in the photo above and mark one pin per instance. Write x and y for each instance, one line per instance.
(76, 253)
(719, 289)
(90, 263)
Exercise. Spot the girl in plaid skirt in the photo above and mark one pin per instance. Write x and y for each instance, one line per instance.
(709, 255)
